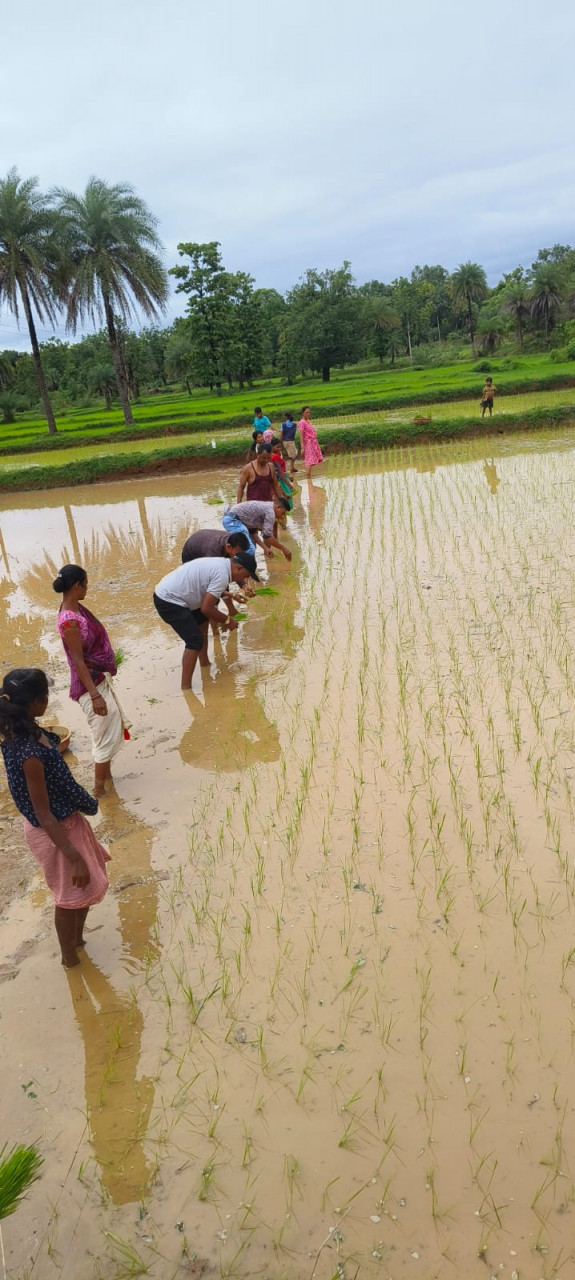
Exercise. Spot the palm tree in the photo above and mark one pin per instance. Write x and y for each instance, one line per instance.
(545, 295)
(113, 264)
(491, 329)
(6, 373)
(382, 319)
(101, 378)
(469, 286)
(516, 304)
(28, 263)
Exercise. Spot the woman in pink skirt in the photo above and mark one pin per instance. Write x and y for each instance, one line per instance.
(312, 453)
(52, 804)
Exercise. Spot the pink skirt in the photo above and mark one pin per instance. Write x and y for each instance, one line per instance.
(58, 870)
(312, 453)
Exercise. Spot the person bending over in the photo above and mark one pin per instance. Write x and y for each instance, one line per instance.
(187, 599)
(261, 518)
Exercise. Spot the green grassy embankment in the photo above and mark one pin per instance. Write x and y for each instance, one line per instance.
(195, 457)
(171, 414)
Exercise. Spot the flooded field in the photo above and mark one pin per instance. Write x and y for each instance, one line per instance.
(325, 1021)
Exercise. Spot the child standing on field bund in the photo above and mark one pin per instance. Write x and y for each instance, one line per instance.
(487, 397)
(52, 804)
(312, 454)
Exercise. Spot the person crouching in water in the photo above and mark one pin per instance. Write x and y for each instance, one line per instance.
(53, 805)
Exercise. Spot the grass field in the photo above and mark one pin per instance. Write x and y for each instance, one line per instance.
(349, 391)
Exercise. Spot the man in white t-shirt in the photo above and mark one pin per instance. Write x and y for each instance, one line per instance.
(187, 599)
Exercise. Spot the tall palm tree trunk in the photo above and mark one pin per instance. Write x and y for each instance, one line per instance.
(43, 389)
(118, 363)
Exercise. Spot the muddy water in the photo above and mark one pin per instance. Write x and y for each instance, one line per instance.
(324, 1024)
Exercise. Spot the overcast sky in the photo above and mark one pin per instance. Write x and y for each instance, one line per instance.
(302, 132)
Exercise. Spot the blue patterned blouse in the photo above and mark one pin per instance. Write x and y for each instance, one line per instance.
(66, 796)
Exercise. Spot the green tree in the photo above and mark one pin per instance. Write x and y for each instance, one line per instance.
(178, 358)
(515, 302)
(6, 371)
(154, 342)
(101, 378)
(246, 335)
(326, 318)
(273, 308)
(381, 320)
(207, 286)
(113, 263)
(491, 329)
(29, 264)
(440, 304)
(468, 288)
(411, 299)
(545, 295)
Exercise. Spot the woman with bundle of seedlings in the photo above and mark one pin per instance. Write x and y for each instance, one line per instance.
(52, 804)
(92, 664)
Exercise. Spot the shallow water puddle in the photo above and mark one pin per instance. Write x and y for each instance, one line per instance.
(324, 1025)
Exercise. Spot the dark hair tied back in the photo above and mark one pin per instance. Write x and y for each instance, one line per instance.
(19, 688)
(68, 577)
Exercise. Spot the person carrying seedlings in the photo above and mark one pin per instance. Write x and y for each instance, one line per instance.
(211, 542)
(53, 805)
(259, 517)
(487, 395)
(312, 454)
(288, 430)
(187, 599)
(92, 664)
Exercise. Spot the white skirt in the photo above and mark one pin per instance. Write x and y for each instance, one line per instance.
(107, 731)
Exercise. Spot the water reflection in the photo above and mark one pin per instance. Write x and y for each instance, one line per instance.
(317, 498)
(118, 1100)
(490, 472)
(118, 1103)
(230, 730)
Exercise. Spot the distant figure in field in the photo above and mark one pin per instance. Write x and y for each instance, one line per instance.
(260, 422)
(487, 397)
(288, 430)
(312, 454)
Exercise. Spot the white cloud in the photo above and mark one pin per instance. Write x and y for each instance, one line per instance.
(300, 134)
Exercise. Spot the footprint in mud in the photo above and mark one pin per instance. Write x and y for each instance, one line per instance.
(11, 968)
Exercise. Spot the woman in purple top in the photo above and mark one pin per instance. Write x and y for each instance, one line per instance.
(92, 664)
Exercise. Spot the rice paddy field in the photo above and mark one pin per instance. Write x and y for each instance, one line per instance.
(324, 1027)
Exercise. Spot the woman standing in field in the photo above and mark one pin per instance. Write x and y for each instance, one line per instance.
(312, 454)
(92, 664)
(52, 804)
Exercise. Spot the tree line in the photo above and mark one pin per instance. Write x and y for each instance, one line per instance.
(98, 258)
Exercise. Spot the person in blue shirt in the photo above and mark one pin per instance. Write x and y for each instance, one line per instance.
(260, 422)
(288, 430)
